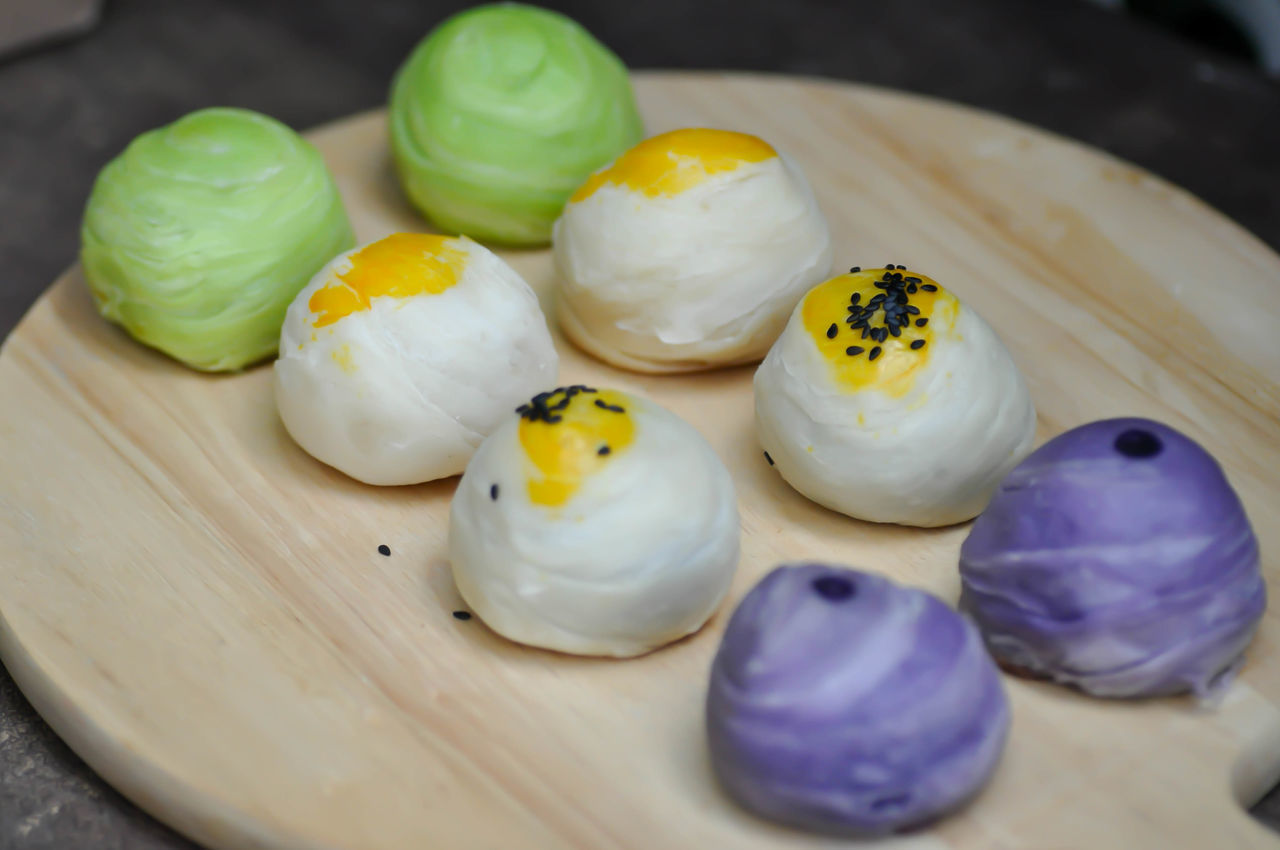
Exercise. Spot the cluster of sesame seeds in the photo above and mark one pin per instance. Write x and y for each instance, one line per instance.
(893, 306)
(539, 408)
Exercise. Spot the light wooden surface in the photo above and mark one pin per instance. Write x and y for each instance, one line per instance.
(200, 609)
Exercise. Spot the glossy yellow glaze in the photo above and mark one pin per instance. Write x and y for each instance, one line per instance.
(562, 454)
(894, 369)
(670, 163)
(399, 266)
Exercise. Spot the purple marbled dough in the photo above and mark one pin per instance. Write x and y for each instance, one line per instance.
(840, 701)
(1117, 559)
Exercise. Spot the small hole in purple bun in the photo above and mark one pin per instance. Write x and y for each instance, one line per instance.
(835, 588)
(1138, 443)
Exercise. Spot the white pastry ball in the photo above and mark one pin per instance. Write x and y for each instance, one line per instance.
(594, 523)
(688, 252)
(909, 413)
(401, 355)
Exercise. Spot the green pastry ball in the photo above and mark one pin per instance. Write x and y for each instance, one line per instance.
(500, 113)
(199, 235)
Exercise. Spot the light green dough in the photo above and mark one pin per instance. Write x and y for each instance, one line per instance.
(500, 113)
(199, 234)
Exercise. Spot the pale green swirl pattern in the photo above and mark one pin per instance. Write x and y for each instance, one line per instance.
(500, 113)
(198, 236)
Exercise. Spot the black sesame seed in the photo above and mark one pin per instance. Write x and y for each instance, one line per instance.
(896, 330)
(855, 269)
(928, 287)
(854, 350)
(920, 323)
(919, 343)
(865, 331)
(766, 457)
(913, 280)
(603, 450)
(855, 298)
(612, 408)
(462, 615)
(889, 266)
(384, 549)
(902, 267)
(835, 588)
(911, 288)
(833, 330)
(912, 309)
(493, 492)
(875, 352)
(1138, 443)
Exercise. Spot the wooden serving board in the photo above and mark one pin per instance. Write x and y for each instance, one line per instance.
(200, 608)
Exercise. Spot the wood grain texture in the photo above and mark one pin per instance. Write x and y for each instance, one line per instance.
(200, 609)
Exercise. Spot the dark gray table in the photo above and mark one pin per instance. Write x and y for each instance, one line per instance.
(1199, 120)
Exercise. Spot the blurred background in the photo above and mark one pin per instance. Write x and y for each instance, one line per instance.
(1188, 89)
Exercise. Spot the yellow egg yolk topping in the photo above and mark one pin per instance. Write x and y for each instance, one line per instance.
(673, 162)
(875, 328)
(568, 434)
(401, 265)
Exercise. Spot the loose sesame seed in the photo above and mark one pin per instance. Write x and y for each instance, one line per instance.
(855, 269)
(384, 549)
(875, 352)
(919, 343)
(902, 267)
(913, 280)
(928, 287)
(854, 350)
(889, 266)
(766, 457)
(912, 309)
(833, 330)
(896, 330)
(920, 323)
(493, 492)
(603, 450)
(462, 615)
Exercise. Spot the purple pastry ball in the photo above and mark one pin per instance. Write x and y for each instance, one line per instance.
(1117, 559)
(842, 702)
